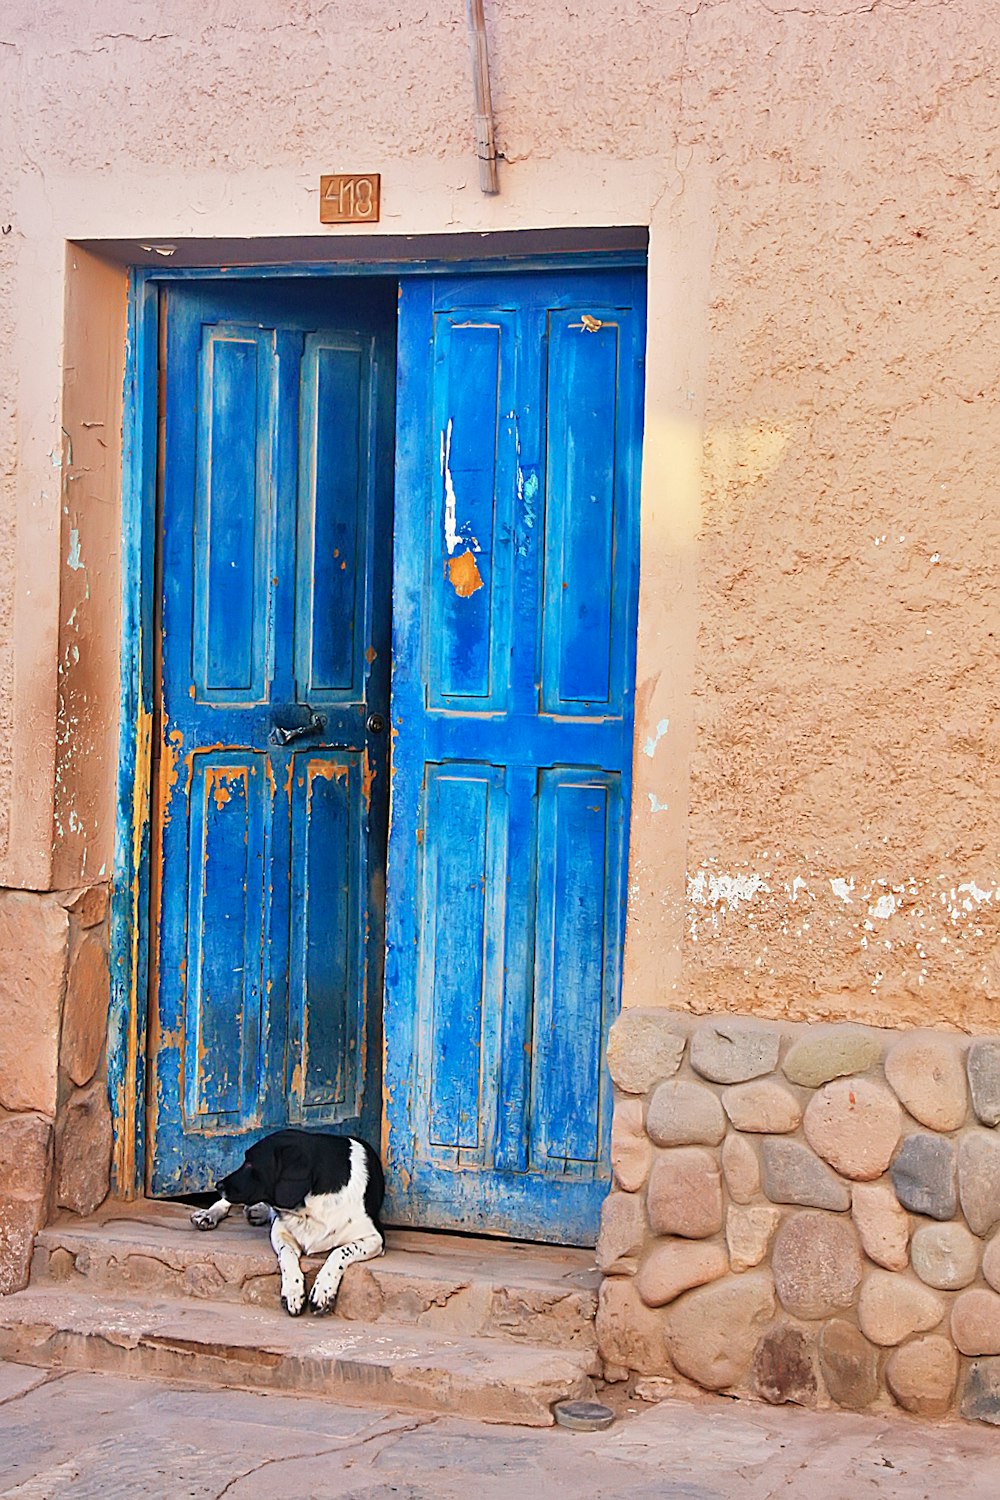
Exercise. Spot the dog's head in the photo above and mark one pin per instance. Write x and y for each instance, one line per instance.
(274, 1171)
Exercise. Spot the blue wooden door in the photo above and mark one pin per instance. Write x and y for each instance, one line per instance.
(519, 403)
(271, 763)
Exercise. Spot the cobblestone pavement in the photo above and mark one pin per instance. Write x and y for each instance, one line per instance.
(100, 1437)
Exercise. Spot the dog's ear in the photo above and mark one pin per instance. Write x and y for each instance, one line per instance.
(293, 1178)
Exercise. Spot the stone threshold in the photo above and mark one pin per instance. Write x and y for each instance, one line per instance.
(495, 1329)
(212, 1343)
(453, 1283)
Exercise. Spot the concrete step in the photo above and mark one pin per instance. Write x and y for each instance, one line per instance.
(448, 1284)
(225, 1344)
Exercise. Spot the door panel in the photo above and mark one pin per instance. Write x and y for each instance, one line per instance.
(225, 939)
(577, 954)
(470, 621)
(275, 527)
(327, 967)
(515, 598)
(462, 890)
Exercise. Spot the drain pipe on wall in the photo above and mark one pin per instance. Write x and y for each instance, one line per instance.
(485, 144)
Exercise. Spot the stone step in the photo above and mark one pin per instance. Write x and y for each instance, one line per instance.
(225, 1344)
(449, 1284)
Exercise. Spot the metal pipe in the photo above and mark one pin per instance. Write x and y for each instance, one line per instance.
(485, 144)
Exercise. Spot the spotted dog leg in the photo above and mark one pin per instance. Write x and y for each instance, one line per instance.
(327, 1284)
(293, 1284)
(211, 1218)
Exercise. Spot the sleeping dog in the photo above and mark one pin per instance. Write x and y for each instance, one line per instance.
(318, 1193)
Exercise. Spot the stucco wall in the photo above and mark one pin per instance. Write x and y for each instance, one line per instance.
(814, 831)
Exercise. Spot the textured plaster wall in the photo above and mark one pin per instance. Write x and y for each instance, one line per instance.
(815, 826)
(844, 834)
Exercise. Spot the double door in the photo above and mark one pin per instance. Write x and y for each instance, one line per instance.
(504, 412)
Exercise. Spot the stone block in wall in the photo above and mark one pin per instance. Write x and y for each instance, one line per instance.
(83, 1150)
(733, 1051)
(783, 1367)
(979, 1179)
(945, 1256)
(983, 1065)
(631, 1148)
(25, 1152)
(830, 1052)
(25, 1147)
(644, 1048)
(20, 1221)
(712, 1332)
(675, 1266)
(682, 1113)
(855, 1125)
(991, 1262)
(89, 905)
(927, 1074)
(816, 1260)
(849, 1364)
(762, 1107)
(975, 1321)
(85, 1014)
(893, 1306)
(684, 1196)
(34, 945)
(794, 1174)
(882, 1223)
(623, 1229)
(749, 1231)
(629, 1334)
(741, 1168)
(981, 1396)
(925, 1175)
(923, 1374)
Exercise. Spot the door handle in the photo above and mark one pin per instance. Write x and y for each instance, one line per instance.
(280, 736)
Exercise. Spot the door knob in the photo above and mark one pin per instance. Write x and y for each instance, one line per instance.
(376, 723)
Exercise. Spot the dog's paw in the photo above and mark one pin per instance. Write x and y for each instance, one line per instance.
(257, 1214)
(322, 1303)
(203, 1218)
(293, 1300)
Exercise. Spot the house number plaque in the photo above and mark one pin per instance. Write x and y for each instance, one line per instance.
(349, 198)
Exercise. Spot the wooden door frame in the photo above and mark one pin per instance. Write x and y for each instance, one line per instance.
(130, 901)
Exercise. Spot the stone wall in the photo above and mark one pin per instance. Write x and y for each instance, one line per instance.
(804, 1213)
(55, 1122)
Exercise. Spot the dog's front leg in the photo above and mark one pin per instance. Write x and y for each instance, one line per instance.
(293, 1284)
(259, 1214)
(211, 1218)
(327, 1284)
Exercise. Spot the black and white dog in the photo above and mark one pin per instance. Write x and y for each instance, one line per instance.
(318, 1193)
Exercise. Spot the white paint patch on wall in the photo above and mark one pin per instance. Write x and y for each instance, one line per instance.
(967, 896)
(708, 889)
(912, 933)
(649, 748)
